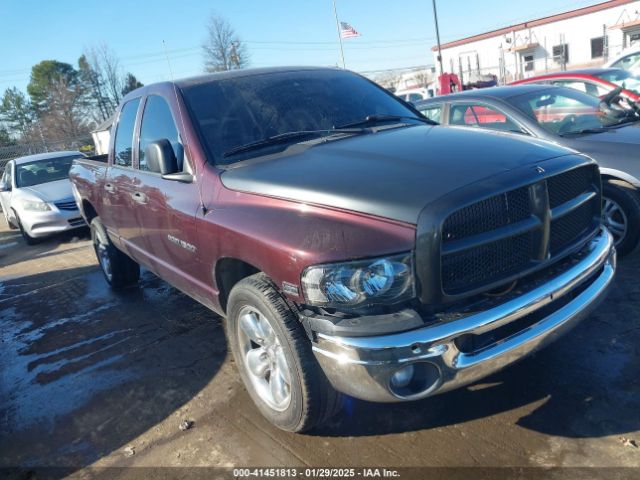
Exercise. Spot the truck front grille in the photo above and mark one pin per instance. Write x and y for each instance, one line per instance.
(504, 236)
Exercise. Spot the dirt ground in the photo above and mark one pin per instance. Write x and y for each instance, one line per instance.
(91, 378)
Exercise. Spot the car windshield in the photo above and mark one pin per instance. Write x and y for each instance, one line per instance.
(625, 79)
(43, 171)
(565, 111)
(239, 111)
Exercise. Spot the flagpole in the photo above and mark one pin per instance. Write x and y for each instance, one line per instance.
(335, 12)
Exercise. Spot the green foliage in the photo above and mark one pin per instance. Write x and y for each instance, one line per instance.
(130, 84)
(5, 138)
(16, 111)
(44, 76)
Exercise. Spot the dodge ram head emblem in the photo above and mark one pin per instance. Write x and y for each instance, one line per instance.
(539, 169)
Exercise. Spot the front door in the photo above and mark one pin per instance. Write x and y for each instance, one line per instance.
(166, 209)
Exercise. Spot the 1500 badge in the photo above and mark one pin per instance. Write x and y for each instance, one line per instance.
(181, 243)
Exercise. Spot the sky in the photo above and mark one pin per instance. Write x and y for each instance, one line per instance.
(276, 32)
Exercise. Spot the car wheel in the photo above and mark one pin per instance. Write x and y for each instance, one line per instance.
(29, 240)
(621, 214)
(9, 222)
(119, 270)
(274, 356)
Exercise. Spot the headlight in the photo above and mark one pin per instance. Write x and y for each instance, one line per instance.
(35, 206)
(360, 283)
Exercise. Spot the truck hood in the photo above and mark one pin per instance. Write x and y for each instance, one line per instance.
(50, 191)
(393, 173)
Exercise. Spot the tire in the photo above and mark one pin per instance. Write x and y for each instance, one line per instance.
(118, 269)
(284, 353)
(621, 209)
(29, 240)
(9, 222)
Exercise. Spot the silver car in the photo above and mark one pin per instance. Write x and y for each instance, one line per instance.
(36, 196)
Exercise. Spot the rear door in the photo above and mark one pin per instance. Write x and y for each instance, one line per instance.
(121, 181)
(166, 209)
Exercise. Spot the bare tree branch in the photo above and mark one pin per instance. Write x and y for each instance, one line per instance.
(223, 50)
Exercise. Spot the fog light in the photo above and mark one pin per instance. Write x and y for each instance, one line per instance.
(402, 377)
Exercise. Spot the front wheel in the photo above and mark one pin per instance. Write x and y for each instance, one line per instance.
(275, 359)
(118, 269)
(28, 239)
(621, 210)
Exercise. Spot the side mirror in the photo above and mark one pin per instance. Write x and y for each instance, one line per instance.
(160, 157)
(4, 187)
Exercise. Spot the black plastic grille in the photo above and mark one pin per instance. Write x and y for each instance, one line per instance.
(67, 205)
(480, 265)
(487, 215)
(475, 263)
(566, 186)
(572, 226)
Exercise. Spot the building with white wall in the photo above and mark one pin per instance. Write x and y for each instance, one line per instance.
(575, 39)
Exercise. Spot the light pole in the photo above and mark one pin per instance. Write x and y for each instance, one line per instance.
(435, 16)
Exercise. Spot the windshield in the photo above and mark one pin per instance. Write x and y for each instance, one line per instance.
(565, 111)
(625, 79)
(43, 171)
(239, 111)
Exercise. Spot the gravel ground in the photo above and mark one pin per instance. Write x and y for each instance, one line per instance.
(90, 378)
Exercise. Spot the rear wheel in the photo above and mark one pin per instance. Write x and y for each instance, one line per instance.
(621, 211)
(275, 359)
(118, 269)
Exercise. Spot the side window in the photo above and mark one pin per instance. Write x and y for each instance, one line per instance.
(157, 124)
(483, 117)
(432, 113)
(124, 134)
(575, 84)
(415, 97)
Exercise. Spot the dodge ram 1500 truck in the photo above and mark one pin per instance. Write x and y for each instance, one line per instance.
(352, 246)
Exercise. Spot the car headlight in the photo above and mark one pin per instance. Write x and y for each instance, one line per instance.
(360, 283)
(35, 206)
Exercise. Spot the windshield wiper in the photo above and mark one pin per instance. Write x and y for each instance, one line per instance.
(585, 130)
(376, 119)
(288, 137)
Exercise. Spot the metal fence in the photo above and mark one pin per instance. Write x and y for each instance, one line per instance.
(83, 143)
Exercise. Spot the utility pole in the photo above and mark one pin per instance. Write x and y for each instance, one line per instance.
(435, 16)
(335, 12)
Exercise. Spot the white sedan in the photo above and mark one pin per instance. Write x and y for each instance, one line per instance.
(628, 60)
(36, 196)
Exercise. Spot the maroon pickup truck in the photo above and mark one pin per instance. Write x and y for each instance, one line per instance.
(352, 246)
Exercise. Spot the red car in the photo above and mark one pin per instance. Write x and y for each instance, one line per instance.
(593, 81)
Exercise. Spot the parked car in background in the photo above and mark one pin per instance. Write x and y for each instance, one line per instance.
(628, 60)
(566, 117)
(415, 94)
(35, 193)
(596, 82)
(351, 245)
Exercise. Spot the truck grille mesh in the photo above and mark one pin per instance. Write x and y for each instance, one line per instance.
(473, 258)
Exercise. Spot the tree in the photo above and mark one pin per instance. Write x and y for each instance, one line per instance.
(130, 84)
(223, 49)
(17, 112)
(105, 82)
(43, 76)
(5, 137)
(66, 114)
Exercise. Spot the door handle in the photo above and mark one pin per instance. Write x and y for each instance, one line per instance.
(109, 187)
(139, 197)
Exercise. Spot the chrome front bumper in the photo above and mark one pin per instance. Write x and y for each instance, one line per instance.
(362, 366)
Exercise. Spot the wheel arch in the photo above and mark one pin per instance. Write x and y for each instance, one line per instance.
(228, 271)
(613, 174)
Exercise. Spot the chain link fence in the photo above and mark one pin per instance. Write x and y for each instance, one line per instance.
(82, 143)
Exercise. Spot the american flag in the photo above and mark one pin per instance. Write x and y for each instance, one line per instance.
(347, 31)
